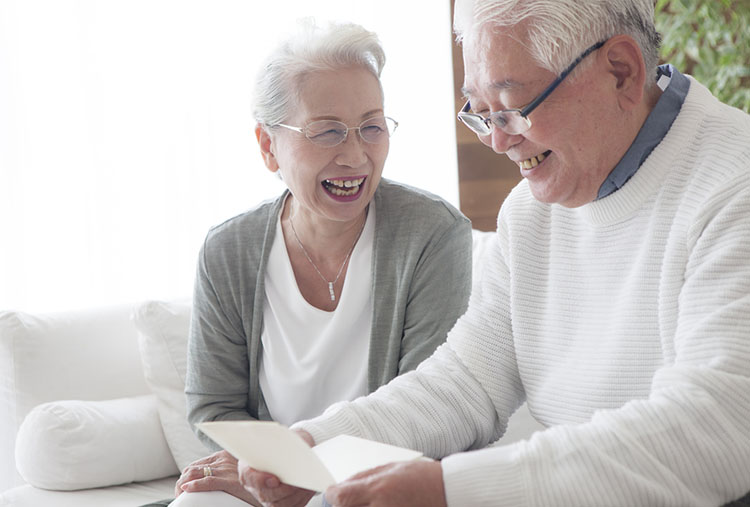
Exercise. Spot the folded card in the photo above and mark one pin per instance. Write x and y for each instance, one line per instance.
(274, 448)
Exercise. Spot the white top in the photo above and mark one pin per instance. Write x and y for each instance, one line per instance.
(625, 323)
(312, 358)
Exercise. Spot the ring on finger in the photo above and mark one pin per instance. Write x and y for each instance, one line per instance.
(207, 472)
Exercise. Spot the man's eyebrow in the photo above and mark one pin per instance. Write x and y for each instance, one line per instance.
(507, 84)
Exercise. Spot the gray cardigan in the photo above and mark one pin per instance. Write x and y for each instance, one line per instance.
(421, 279)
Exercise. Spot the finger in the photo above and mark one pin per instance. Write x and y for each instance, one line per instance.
(251, 478)
(298, 498)
(351, 493)
(195, 473)
(224, 472)
(212, 483)
(306, 437)
(200, 462)
(211, 460)
(269, 490)
(281, 495)
(226, 457)
(186, 477)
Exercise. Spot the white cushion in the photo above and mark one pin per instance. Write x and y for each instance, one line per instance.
(128, 495)
(69, 445)
(163, 332)
(84, 355)
(481, 247)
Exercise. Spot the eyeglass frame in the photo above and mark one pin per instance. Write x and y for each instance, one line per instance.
(527, 109)
(358, 128)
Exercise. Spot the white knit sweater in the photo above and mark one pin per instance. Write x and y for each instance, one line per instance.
(625, 323)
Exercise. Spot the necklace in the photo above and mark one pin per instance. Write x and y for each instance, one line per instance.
(341, 269)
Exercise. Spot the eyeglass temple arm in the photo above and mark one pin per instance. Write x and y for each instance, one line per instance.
(296, 129)
(531, 106)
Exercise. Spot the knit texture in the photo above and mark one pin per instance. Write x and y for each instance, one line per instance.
(624, 323)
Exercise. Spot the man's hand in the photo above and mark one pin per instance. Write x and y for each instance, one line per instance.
(409, 484)
(267, 488)
(222, 467)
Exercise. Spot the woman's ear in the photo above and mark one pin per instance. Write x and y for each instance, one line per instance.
(266, 147)
(624, 62)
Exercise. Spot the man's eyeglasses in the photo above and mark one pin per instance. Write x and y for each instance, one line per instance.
(516, 121)
(330, 133)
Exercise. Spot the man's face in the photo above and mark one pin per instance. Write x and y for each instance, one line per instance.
(572, 143)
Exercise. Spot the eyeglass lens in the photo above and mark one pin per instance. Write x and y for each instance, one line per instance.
(510, 122)
(331, 132)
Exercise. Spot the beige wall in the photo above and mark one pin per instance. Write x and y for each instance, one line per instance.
(484, 178)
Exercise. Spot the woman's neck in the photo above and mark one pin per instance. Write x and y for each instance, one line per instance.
(319, 252)
(325, 240)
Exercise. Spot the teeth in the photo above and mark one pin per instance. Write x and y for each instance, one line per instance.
(338, 191)
(344, 187)
(532, 162)
(346, 183)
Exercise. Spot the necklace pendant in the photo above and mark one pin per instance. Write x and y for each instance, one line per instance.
(330, 290)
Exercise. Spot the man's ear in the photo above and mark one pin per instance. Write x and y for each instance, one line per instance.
(623, 61)
(266, 147)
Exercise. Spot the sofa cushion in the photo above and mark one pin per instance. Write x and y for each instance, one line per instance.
(69, 445)
(127, 495)
(163, 332)
(85, 355)
(481, 246)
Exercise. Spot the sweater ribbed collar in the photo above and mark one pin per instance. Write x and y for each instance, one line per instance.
(645, 184)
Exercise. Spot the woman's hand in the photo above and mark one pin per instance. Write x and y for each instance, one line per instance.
(269, 490)
(217, 472)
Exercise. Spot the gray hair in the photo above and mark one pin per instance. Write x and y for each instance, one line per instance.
(312, 48)
(559, 30)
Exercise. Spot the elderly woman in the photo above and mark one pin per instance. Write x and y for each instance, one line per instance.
(344, 281)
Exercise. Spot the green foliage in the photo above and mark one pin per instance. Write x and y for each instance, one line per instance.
(710, 40)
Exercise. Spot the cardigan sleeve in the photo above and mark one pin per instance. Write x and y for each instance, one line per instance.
(218, 372)
(438, 294)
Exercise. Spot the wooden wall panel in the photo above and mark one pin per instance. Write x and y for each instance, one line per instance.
(484, 177)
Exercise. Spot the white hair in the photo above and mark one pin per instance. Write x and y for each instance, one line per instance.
(558, 31)
(311, 48)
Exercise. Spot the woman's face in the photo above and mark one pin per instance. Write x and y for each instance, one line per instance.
(330, 183)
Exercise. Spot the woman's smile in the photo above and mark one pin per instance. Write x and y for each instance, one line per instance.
(344, 187)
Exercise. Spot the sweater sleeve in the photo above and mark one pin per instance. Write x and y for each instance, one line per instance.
(442, 407)
(688, 442)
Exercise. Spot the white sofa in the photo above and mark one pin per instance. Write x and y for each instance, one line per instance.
(121, 436)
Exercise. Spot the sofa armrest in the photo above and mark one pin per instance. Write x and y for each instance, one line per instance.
(70, 445)
(83, 355)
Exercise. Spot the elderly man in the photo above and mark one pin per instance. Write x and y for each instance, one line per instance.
(615, 300)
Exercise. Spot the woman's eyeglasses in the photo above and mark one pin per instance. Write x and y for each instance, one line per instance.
(330, 133)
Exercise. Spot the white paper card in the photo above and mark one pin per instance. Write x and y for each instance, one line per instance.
(345, 455)
(274, 448)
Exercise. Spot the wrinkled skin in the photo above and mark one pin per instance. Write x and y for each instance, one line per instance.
(224, 477)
